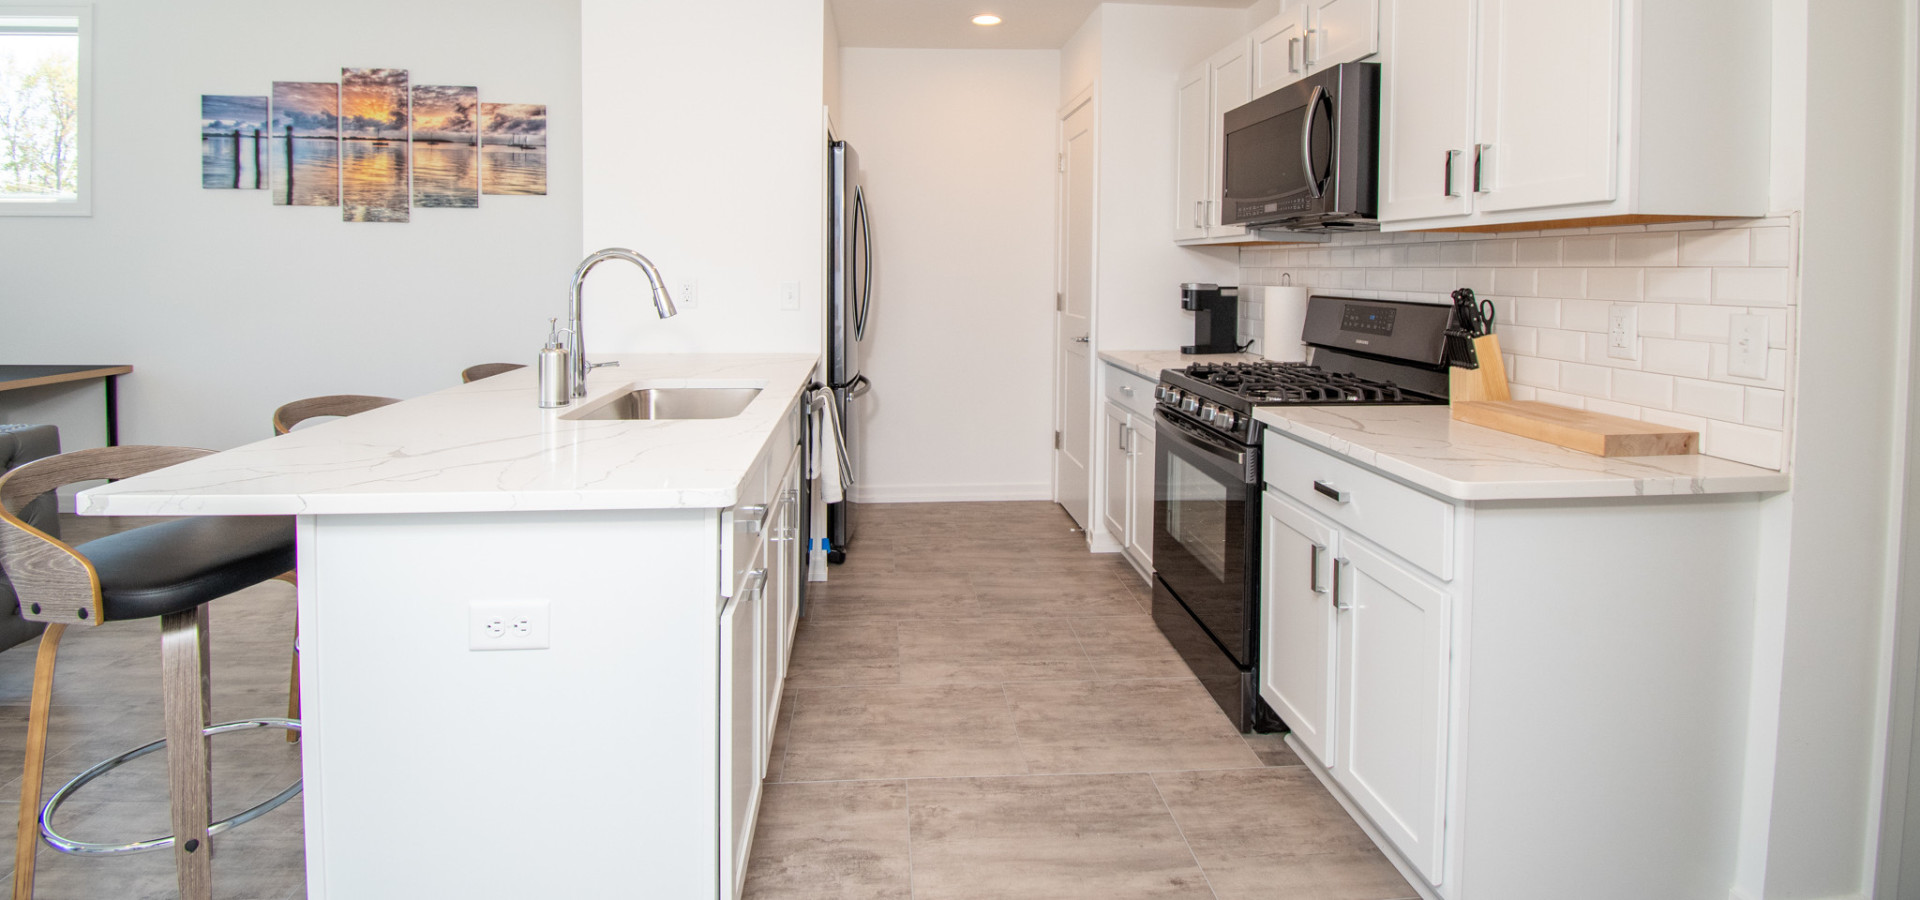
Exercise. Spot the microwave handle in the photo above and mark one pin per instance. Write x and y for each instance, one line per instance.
(1306, 141)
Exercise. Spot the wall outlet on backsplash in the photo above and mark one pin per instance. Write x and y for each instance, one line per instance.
(1623, 332)
(1711, 314)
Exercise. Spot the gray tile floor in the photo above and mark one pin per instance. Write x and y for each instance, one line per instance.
(977, 707)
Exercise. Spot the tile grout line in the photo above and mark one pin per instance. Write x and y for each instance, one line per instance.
(1183, 835)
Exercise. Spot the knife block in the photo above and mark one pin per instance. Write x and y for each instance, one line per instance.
(1489, 382)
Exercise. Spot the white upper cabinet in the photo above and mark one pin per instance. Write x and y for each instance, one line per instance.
(1500, 113)
(1231, 72)
(1193, 169)
(1312, 35)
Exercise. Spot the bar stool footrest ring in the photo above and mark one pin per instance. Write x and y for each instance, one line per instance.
(86, 848)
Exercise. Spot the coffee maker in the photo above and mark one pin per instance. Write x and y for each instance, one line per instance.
(1216, 317)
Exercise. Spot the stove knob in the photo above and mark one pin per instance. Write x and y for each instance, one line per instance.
(1190, 404)
(1226, 419)
(1159, 392)
(1209, 412)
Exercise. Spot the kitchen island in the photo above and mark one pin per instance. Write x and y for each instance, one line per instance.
(649, 568)
(1525, 669)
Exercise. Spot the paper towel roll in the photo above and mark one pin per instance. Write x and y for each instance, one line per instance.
(1283, 318)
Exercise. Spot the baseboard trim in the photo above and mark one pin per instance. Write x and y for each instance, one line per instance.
(950, 493)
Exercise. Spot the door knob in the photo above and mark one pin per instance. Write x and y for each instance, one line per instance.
(1082, 340)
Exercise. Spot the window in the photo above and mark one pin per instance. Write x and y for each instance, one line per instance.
(44, 109)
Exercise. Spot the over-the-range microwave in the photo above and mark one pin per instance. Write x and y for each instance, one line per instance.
(1306, 156)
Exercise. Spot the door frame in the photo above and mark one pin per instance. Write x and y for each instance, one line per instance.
(1088, 96)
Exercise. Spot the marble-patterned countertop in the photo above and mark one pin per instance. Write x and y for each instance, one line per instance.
(1148, 363)
(1425, 447)
(488, 447)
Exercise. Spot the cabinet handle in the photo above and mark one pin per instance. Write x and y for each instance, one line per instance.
(1447, 182)
(1120, 436)
(1313, 568)
(1196, 213)
(1306, 47)
(1208, 218)
(1339, 496)
(757, 520)
(1338, 563)
(1480, 168)
(1126, 390)
(756, 582)
(1292, 43)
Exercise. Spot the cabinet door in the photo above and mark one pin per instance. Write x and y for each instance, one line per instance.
(1231, 71)
(1113, 435)
(1193, 166)
(1140, 536)
(795, 566)
(1548, 102)
(1340, 31)
(1390, 752)
(739, 742)
(1277, 54)
(1426, 111)
(1297, 619)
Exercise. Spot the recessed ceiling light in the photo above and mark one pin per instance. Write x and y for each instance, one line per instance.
(986, 20)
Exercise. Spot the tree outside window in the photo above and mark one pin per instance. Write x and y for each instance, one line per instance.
(42, 100)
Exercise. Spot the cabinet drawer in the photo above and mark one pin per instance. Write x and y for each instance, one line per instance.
(1414, 525)
(1130, 390)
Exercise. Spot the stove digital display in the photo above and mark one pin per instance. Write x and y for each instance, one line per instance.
(1367, 319)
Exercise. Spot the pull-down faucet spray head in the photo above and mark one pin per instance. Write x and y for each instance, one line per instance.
(662, 304)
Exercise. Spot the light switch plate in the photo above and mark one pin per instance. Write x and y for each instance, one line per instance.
(509, 625)
(1623, 331)
(1747, 346)
(790, 295)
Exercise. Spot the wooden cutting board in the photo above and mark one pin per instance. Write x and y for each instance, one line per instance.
(1595, 433)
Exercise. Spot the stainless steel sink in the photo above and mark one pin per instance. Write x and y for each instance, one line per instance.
(674, 403)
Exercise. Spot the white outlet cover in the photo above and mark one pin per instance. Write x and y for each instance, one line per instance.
(509, 625)
(687, 292)
(790, 295)
(1623, 331)
(1747, 346)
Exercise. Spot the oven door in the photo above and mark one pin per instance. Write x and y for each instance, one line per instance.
(1206, 520)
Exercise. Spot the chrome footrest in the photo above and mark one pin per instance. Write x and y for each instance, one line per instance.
(85, 848)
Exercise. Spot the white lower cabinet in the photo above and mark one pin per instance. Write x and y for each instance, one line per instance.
(1117, 510)
(740, 756)
(1126, 447)
(1297, 621)
(1140, 535)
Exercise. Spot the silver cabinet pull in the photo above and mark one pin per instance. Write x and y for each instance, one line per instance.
(1126, 390)
(1292, 44)
(1313, 568)
(1306, 47)
(1120, 436)
(756, 582)
(1339, 496)
(1338, 564)
(757, 517)
(1480, 178)
(1446, 189)
(1208, 218)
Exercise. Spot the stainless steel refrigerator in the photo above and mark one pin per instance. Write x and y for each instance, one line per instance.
(849, 310)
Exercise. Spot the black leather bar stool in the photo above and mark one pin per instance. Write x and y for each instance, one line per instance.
(167, 571)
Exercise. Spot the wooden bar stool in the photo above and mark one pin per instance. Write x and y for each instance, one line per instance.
(167, 571)
(284, 419)
(486, 370)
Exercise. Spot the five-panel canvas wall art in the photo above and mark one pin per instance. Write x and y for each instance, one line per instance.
(373, 144)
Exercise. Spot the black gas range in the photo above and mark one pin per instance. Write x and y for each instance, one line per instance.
(1207, 473)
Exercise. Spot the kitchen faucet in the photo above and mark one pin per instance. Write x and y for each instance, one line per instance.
(662, 304)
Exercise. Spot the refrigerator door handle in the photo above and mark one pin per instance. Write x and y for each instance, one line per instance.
(858, 387)
(865, 228)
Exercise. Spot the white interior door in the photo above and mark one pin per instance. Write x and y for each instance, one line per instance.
(1073, 331)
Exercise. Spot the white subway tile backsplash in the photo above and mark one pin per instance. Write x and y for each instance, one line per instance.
(1537, 252)
(1751, 287)
(1680, 285)
(1614, 284)
(1553, 291)
(1643, 389)
(1714, 248)
(1561, 283)
(1726, 402)
(1587, 251)
(1688, 358)
(1647, 249)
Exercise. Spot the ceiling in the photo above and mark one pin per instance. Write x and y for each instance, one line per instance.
(948, 25)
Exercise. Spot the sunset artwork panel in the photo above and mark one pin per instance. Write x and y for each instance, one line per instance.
(513, 148)
(374, 121)
(305, 147)
(446, 146)
(232, 129)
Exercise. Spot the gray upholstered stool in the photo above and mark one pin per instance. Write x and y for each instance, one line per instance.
(167, 571)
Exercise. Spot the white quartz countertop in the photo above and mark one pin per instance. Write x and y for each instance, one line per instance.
(1148, 363)
(488, 447)
(1425, 447)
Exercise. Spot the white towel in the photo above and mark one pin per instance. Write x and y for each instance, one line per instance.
(826, 453)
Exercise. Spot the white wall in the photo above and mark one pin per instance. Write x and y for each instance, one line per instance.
(703, 150)
(228, 306)
(958, 150)
(1143, 49)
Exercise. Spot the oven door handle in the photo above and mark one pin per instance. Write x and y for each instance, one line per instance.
(1192, 436)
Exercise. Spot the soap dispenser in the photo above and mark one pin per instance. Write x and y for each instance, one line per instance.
(554, 369)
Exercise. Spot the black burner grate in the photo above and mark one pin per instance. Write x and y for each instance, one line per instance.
(1274, 382)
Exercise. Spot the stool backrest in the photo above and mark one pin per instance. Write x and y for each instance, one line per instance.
(56, 583)
(299, 411)
(486, 370)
